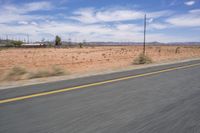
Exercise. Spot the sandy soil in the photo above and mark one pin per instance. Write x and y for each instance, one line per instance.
(81, 60)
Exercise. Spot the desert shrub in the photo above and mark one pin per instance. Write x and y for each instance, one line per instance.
(15, 73)
(177, 50)
(56, 71)
(142, 59)
(158, 49)
(39, 74)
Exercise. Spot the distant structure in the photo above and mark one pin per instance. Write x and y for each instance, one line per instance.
(84, 41)
(69, 41)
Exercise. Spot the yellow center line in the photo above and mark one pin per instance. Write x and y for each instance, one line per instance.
(92, 84)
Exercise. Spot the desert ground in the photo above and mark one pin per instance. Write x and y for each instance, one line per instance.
(89, 59)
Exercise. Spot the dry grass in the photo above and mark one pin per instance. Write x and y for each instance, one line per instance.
(86, 59)
(177, 51)
(19, 73)
(142, 59)
(16, 73)
(55, 71)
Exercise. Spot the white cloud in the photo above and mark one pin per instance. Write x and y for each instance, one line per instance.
(129, 27)
(34, 23)
(190, 19)
(118, 15)
(189, 3)
(150, 20)
(93, 32)
(23, 22)
(159, 14)
(18, 13)
(92, 24)
(86, 15)
(90, 15)
(35, 6)
(158, 26)
(27, 7)
(195, 11)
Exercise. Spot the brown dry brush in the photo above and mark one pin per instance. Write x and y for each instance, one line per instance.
(142, 59)
(177, 50)
(18, 73)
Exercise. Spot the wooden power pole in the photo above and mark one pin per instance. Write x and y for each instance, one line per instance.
(144, 45)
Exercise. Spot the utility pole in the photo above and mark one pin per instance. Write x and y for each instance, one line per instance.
(144, 45)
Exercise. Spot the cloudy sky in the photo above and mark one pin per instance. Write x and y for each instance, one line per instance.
(101, 20)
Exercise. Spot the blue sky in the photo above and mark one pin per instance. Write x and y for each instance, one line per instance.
(101, 20)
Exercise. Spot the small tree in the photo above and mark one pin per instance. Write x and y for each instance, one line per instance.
(58, 41)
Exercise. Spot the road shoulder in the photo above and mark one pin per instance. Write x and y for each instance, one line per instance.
(46, 80)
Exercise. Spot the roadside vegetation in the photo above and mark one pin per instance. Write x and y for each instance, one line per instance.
(37, 61)
(19, 73)
(16, 73)
(177, 51)
(142, 59)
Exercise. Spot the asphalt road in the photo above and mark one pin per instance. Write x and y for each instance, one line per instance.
(166, 102)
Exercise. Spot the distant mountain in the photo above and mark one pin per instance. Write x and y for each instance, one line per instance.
(141, 43)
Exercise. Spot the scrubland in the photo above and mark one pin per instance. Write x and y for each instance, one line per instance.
(24, 63)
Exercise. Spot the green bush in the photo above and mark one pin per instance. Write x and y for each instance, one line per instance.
(142, 59)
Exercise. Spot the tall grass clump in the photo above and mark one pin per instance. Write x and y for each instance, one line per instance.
(177, 50)
(19, 73)
(55, 71)
(142, 59)
(16, 73)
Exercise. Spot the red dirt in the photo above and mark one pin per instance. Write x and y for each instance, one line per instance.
(79, 60)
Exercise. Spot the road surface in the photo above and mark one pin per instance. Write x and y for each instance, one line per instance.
(162, 99)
